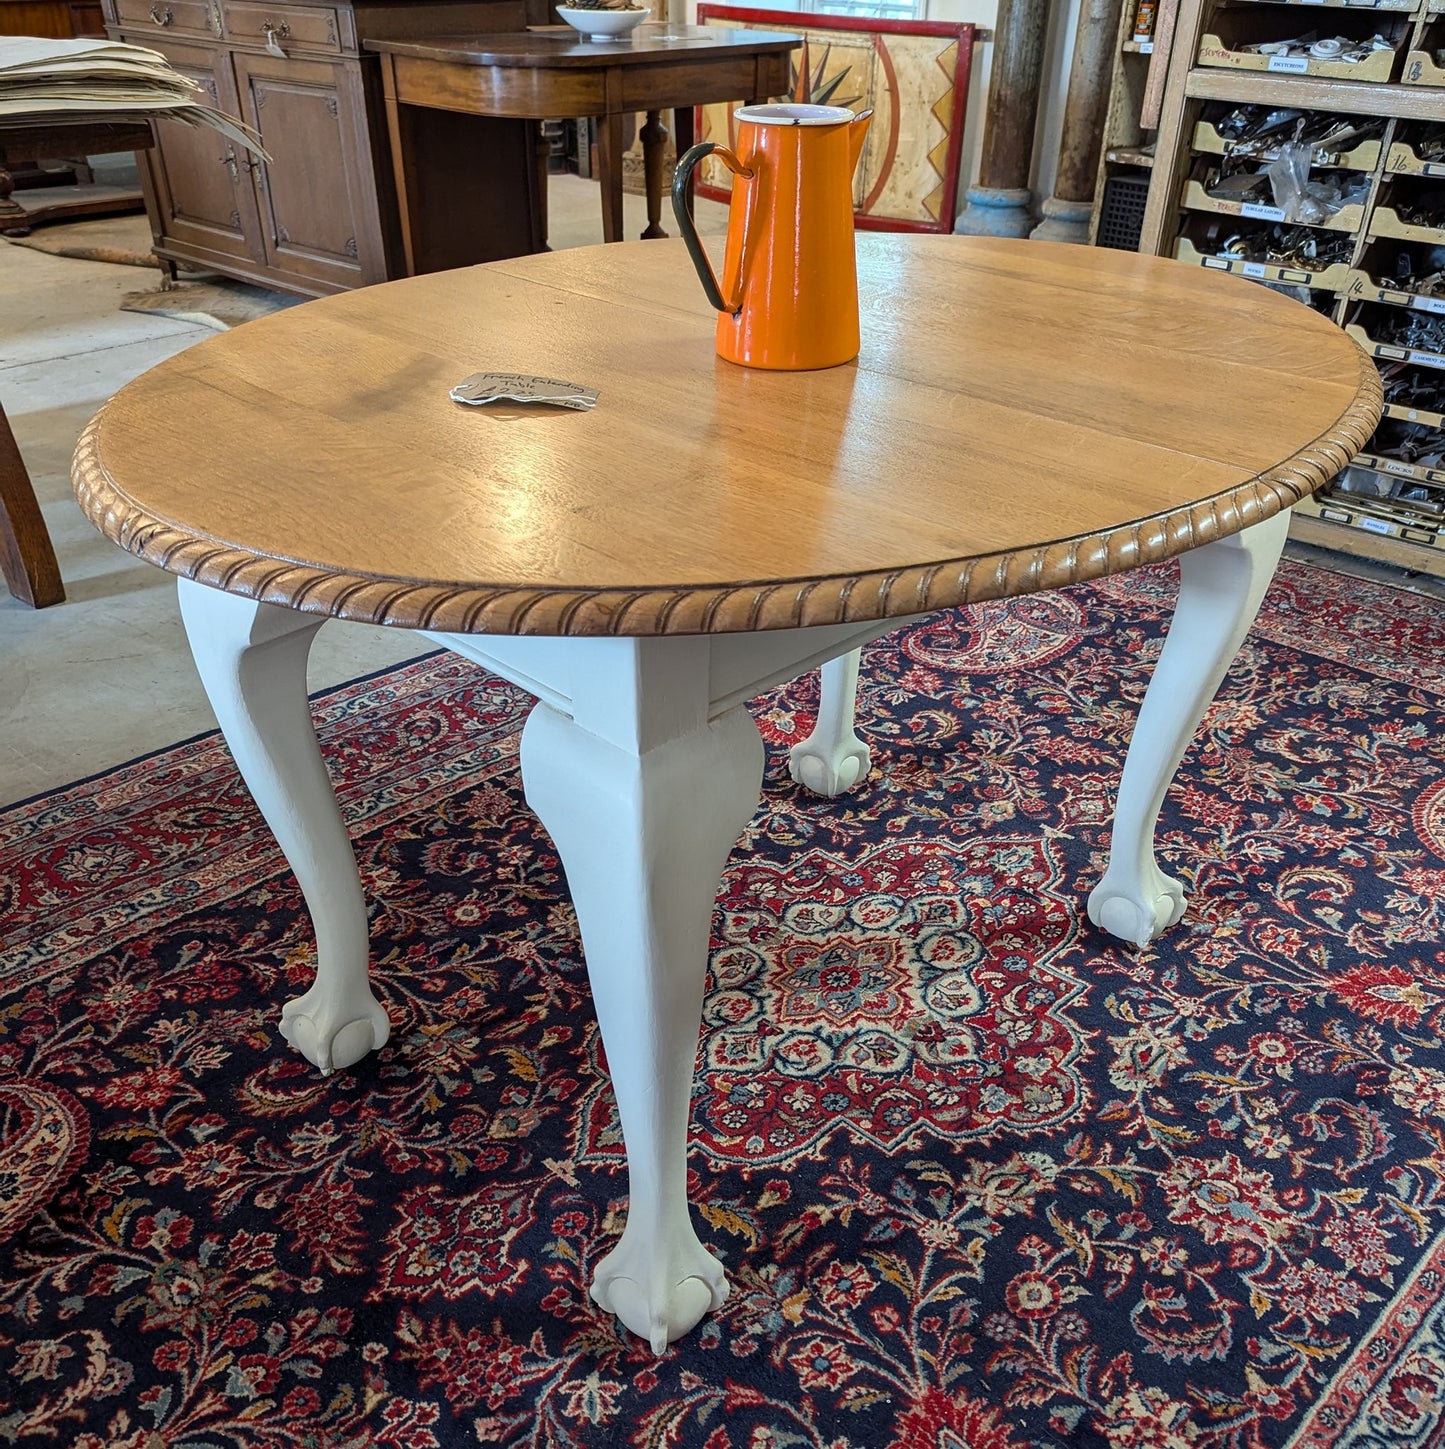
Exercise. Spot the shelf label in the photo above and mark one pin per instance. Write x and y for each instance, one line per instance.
(1289, 64)
(1414, 535)
(1374, 525)
(1390, 466)
(1432, 168)
(1255, 211)
(1146, 47)
(1428, 304)
(1335, 515)
(1427, 359)
(1254, 269)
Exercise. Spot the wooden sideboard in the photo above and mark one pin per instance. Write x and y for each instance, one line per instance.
(53, 19)
(321, 215)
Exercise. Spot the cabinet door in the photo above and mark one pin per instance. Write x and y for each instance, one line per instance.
(202, 182)
(312, 194)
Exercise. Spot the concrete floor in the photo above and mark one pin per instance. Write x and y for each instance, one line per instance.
(106, 675)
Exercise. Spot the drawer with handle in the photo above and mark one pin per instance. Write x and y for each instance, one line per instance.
(172, 17)
(283, 29)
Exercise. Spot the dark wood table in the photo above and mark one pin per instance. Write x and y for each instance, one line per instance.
(27, 559)
(552, 71)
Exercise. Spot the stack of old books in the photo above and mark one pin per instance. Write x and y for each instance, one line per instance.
(55, 81)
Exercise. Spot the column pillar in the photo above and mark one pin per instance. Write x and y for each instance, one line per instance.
(1068, 211)
(999, 204)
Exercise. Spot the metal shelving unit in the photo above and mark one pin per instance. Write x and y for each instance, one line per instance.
(1390, 504)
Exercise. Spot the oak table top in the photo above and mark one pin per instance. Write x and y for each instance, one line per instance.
(1022, 416)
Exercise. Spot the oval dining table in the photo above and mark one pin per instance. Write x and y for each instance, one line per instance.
(1022, 416)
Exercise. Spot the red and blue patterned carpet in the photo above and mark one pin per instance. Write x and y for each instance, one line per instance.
(982, 1179)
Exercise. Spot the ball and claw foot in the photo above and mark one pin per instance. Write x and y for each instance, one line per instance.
(1137, 912)
(659, 1296)
(829, 774)
(334, 1037)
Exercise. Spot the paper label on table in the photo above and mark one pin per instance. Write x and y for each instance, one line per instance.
(1254, 269)
(521, 387)
(1290, 64)
(1257, 211)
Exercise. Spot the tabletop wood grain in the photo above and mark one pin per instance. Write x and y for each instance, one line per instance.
(1022, 416)
(555, 46)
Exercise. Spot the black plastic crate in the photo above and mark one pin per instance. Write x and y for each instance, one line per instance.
(1121, 217)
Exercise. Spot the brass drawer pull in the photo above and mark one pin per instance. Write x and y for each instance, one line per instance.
(161, 17)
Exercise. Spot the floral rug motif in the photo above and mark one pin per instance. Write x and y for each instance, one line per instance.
(982, 1178)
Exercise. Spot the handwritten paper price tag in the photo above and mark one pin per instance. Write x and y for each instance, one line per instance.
(518, 387)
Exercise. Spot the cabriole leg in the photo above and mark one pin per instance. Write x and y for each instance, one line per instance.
(1220, 590)
(252, 661)
(833, 759)
(644, 832)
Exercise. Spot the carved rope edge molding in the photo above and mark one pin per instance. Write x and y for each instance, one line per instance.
(724, 608)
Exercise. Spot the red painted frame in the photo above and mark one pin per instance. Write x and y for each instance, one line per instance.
(963, 32)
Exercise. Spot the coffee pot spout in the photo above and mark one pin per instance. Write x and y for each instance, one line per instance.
(857, 131)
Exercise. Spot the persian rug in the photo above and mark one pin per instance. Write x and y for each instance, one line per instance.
(982, 1178)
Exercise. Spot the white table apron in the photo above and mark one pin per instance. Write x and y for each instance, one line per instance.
(644, 765)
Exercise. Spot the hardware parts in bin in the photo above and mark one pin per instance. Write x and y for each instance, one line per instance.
(1417, 150)
(1298, 247)
(1258, 133)
(1401, 274)
(1410, 207)
(1321, 302)
(1361, 47)
(1412, 331)
(1285, 190)
(1405, 499)
(1396, 334)
(1413, 393)
(1371, 517)
(1418, 446)
(1338, 49)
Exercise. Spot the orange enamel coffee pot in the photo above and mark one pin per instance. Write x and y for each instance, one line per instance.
(788, 298)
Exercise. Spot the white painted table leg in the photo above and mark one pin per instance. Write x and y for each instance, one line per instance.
(1221, 587)
(833, 759)
(252, 661)
(644, 812)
